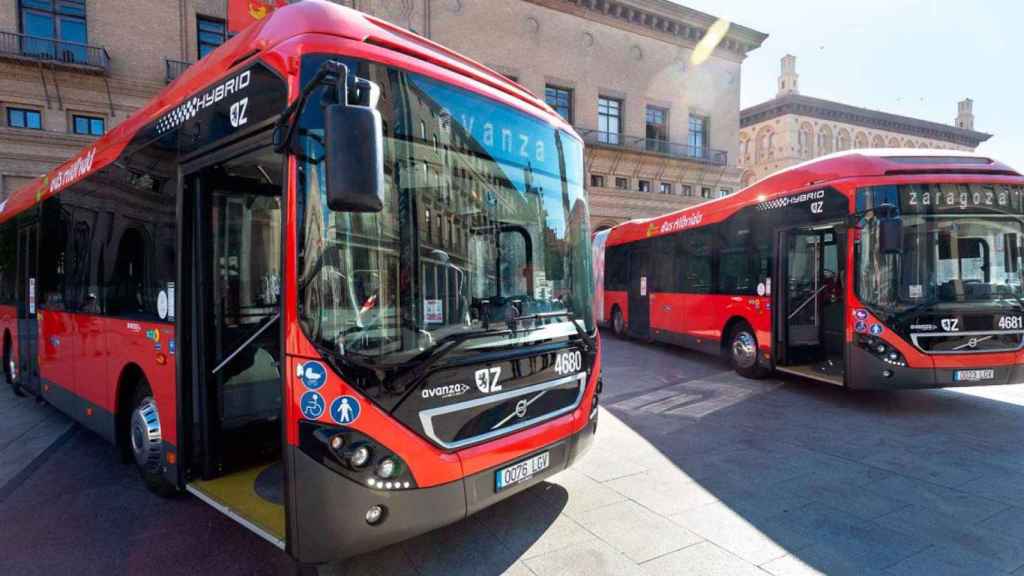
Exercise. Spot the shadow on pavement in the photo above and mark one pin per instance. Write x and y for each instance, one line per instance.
(797, 477)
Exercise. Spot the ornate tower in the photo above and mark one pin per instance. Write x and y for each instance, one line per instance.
(788, 79)
(965, 114)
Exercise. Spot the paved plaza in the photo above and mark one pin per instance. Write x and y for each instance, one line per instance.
(694, 471)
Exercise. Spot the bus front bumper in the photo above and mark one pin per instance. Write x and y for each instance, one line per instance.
(868, 372)
(328, 516)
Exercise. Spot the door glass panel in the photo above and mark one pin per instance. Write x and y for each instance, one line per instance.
(804, 283)
(245, 236)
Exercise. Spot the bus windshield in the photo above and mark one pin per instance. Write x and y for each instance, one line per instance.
(484, 230)
(947, 259)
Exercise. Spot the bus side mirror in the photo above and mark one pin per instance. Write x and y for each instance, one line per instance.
(890, 235)
(354, 151)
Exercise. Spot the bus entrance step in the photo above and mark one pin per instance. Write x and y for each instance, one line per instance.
(251, 497)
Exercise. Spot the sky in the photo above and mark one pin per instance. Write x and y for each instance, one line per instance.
(912, 57)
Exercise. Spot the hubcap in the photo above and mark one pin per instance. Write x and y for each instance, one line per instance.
(145, 434)
(744, 350)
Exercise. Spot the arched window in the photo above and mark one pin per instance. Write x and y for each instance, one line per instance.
(878, 142)
(894, 142)
(747, 178)
(860, 140)
(843, 140)
(763, 143)
(806, 140)
(824, 140)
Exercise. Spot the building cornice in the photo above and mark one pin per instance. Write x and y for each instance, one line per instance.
(800, 105)
(660, 19)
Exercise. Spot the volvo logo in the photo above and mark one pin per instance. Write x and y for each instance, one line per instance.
(521, 407)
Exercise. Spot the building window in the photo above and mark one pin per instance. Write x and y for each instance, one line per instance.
(622, 183)
(657, 129)
(211, 34)
(666, 187)
(705, 192)
(23, 118)
(686, 190)
(698, 135)
(724, 192)
(644, 185)
(50, 20)
(597, 180)
(560, 99)
(609, 120)
(88, 125)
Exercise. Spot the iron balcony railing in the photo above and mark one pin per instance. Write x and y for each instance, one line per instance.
(665, 147)
(23, 46)
(175, 68)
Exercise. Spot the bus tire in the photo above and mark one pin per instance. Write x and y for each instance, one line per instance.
(9, 374)
(742, 350)
(145, 440)
(618, 323)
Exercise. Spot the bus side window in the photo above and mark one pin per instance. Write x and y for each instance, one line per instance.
(126, 281)
(52, 253)
(8, 260)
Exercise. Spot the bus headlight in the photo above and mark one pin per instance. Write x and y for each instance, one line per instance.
(359, 456)
(356, 456)
(883, 351)
(387, 468)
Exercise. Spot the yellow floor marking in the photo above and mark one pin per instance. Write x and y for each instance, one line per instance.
(238, 492)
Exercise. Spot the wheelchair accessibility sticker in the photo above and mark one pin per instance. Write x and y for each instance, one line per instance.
(345, 409)
(312, 405)
(313, 375)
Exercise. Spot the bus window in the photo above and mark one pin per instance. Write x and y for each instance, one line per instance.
(126, 283)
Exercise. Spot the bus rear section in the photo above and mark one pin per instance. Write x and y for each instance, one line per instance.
(899, 270)
(339, 337)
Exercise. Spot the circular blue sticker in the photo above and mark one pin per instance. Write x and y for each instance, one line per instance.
(312, 405)
(860, 314)
(861, 326)
(877, 329)
(313, 375)
(345, 409)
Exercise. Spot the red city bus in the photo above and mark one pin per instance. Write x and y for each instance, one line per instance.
(866, 269)
(334, 281)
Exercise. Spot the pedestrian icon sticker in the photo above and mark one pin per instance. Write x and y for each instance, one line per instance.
(312, 405)
(313, 375)
(345, 409)
(876, 329)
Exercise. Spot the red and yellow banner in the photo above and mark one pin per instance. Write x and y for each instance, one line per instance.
(242, 13)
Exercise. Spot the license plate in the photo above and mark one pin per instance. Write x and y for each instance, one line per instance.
(973, 375)
(521, 471)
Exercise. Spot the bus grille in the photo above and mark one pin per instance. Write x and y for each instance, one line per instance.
(969, 342)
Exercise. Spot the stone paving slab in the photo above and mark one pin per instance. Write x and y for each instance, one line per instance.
(27, 429)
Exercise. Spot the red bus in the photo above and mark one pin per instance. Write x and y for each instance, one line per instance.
(866, 269)
(334, 280)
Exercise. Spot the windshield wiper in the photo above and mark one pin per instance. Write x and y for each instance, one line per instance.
(406, 374)
(588, 342)
(900, 316)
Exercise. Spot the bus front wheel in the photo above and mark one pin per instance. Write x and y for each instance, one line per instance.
(618, 323)
(145, 440)
(743, 352)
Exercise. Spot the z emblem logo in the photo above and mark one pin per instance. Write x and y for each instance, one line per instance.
(238, 109)
(951, 324)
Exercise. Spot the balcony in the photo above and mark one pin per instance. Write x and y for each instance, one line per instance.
(15, 46)
(647, 145)
(174, 68)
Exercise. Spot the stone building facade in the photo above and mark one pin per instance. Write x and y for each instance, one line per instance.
(661, 128)
(793, 128)
(73, 69)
